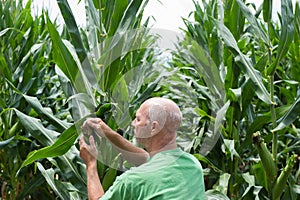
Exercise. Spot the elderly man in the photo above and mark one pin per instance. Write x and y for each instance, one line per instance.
(164, 171)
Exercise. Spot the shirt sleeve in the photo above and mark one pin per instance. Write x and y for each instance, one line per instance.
(118, 191)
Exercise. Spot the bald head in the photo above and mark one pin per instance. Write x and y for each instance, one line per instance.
(165, 112)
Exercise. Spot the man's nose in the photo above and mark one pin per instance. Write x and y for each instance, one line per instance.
(133, 123)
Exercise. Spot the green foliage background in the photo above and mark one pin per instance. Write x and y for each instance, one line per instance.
(234, 73)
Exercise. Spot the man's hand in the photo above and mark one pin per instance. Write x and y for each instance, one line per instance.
(88, 153)
(131, 153)
(98, 125)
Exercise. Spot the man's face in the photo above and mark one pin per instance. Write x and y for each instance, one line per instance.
(141, 124)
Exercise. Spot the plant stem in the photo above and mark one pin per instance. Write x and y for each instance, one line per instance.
(272, 108)
(274, 123)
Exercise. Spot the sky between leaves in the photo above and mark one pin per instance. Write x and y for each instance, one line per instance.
(167, 13)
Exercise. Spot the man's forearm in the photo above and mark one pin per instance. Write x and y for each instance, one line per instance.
(94, 187)
(130, 152)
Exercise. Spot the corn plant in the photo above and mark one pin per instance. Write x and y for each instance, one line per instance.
(52, 81)
(24, 70)
(246, 63)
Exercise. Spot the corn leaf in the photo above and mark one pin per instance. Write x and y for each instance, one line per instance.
(244, 62)
(64, 59)
(60, 147)
(267, 10)
(215, 194)
(287, 34)
(46, 114)
(77, 41)
(259, 32)
(49, 176)
(36, 129)
(290, 116)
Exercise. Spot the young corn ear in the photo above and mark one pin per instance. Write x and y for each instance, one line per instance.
(281, 181)
(103, 108)
(266, 159)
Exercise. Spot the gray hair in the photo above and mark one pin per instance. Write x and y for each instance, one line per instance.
(165, 112)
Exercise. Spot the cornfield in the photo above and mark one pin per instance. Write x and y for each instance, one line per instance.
(234, 74)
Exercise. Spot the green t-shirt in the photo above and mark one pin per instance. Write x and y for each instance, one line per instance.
(170, 175)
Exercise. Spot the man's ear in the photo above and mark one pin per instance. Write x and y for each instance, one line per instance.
(155, 128)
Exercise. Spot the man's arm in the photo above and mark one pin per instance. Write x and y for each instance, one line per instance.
(89, 154)
(130, 152)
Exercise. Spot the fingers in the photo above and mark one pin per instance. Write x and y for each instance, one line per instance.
(91, 123)
(92, 143)
(82, 143)
(88, 152)
(94, 123)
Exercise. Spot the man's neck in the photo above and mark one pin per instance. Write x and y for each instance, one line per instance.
(159, 146)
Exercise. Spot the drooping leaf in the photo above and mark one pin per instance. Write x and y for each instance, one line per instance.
(290, 116)
(244, 62)
(49, 176)
(36, 129)
(59, 147)
(207, 161)
(36, 105)
(253, 21)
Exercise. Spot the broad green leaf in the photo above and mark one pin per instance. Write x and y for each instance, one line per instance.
(265, 118)
(109, 178)
(244, 62)
(5, 71)
(64, 59)
(45, 113)
(205, 67)
(77, 41)
(36, 129)
(209, 142)
(72, 28)
(114, 12)
(290, 116)
(131, 15)
(84, 98)
(234, 19)
(78, 109)
(48, 137)
(60, 147)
